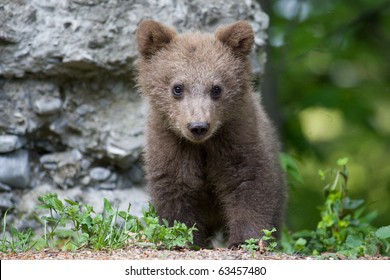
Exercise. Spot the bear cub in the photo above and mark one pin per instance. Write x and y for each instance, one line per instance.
(212, 155)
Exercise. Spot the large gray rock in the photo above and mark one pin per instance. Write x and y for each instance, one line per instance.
(88, 37)
(68, 91)
(15, 169)
(101, 118)
(10, 143)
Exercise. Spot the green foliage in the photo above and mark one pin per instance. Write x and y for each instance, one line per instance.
(17, 241)
(290, 167)
(79, 226)
(324, 54)
(251, 245)
(383, 232)
(269, 239)
(254, 244)
(345, 227)
(330, 58)
(72, 225)
(164, 236)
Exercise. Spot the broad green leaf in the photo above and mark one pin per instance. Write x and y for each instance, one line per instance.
(354, 241)
(383, 232)
(301, 242)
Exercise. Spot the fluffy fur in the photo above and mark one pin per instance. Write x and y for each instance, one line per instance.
(229, 177)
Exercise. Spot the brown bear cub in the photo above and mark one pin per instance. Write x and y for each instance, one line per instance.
(212, 156)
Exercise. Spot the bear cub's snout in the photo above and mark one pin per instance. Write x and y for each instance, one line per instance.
(198, 129)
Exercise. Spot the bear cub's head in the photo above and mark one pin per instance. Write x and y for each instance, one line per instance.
(195, 82)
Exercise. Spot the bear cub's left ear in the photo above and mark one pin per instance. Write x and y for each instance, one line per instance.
(239, 36)
(152, 36)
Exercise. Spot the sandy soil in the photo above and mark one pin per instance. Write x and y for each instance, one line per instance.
(134, 253)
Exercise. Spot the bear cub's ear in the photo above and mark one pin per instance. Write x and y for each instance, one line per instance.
(153, 36)
(239, 36)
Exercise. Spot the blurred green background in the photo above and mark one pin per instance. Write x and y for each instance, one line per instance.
(327, 85)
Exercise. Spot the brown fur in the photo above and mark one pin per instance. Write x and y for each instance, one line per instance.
(229, 178)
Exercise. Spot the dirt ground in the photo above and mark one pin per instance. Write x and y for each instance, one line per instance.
(134, 253)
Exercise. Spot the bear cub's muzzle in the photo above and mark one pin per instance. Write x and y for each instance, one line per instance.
(198, 129)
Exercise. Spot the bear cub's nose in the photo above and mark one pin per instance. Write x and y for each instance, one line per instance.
(198, 129)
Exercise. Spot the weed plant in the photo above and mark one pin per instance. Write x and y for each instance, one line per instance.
(266, 243)
(345, 226)
(71, 225)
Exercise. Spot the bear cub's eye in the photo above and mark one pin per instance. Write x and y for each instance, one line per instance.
(177, 91)
(216, 92)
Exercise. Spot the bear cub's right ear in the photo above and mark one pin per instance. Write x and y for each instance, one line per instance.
(152, 36)
(238, 36)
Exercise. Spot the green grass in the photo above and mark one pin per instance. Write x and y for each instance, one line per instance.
(344, 229)
(17, 241)
(71, 225)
